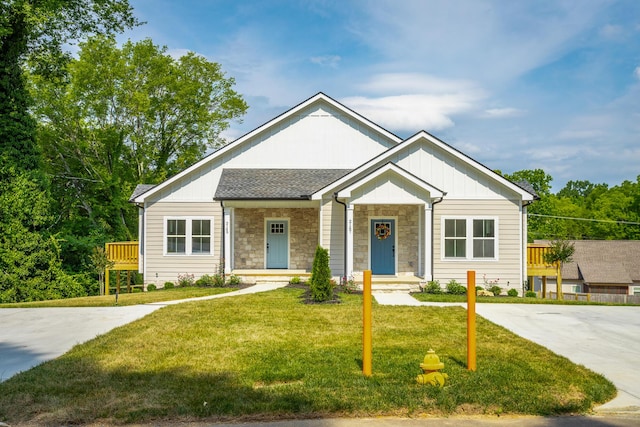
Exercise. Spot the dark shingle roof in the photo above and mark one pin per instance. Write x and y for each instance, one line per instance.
(277, 184)
(604, 261)
(140, 189)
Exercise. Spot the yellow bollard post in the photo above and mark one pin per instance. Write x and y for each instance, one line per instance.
(366, 324)
(471, 320)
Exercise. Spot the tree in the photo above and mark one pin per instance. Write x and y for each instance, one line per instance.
(320, 282)
(122, 116)
(35, 31)
(559, 253)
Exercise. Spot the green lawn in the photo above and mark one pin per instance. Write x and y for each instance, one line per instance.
(269, 356)
(444, 297)
(124, 299)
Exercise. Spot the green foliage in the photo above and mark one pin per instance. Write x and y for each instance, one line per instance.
(433, 287)
(455, 288)
(495, 290)
(151, 287)
(186, 279)
(233, 280)
(169, 285)
(559, 251)
(295, 280)
(531, 294)
(512, 292)
(320, 283)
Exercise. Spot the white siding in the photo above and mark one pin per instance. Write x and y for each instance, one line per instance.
(389, 188)
(333, 234)
(507, 268)
(165, 268)
(448, 173)
(319, 137)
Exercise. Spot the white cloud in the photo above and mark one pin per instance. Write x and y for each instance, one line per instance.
(636, 72)
(326, 60)
(610, 31)
(500, 113)
(412, 101)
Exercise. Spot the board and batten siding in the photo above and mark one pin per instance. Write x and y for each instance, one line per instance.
(507, 268)
(332, 236)
(161, 268)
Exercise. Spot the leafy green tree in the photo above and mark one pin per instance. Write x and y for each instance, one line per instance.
(121, 116)
(559, 253)
(35, 31)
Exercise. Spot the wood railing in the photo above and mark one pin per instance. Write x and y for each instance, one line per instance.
(536, 265)
(123, 255)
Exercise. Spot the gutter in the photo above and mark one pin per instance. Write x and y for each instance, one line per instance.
(335, 197)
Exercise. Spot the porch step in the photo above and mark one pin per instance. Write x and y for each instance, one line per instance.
(395, 287)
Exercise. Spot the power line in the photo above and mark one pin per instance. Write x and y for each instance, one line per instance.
(610, 221)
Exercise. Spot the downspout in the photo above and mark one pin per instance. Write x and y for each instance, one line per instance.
(224, 259)
(433, 219)
(335, 197)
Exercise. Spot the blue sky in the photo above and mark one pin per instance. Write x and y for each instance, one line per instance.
(516, 85)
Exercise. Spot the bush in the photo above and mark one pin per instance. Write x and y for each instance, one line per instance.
(455, 288)
(531, 294)
(186, 279)
(320, 283)
(151, 287)
(169, 285)
(205, 280)
(512, 293)
(433, 287)
(233, 280)
(495, 290)
(295, 280)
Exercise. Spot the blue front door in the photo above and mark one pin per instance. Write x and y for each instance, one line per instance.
(383, 247)
(277, 244)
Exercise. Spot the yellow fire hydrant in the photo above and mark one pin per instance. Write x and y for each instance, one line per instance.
(430, 368)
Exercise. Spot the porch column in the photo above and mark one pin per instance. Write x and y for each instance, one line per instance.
(228, 232)
(428, 242)
(348, 251)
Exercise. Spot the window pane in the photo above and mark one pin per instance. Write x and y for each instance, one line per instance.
(176, 245)
(455, 228)
(483, 228)
(455, 248)
(483, 248)
(176, 227)
(201, 245)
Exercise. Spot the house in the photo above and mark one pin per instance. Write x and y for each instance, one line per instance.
(602, 267)
(410, 210)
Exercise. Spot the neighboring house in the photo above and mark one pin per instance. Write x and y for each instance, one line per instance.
(320, 173)
(602, 267)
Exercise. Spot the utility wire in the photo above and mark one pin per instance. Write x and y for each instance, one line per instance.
(585, 219)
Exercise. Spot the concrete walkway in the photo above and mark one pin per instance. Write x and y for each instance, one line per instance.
(30, 336)
(602, 338)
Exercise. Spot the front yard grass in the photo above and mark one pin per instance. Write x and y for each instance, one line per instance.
(124, 298)
(502, 299)
(269, 356)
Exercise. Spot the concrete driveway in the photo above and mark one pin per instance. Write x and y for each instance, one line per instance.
(605, 339)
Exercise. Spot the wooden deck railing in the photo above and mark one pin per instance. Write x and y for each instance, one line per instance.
(124, 255)
(536, 265)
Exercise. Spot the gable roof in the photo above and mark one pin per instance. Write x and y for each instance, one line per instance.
(280, 184)
(604, 261)
(387, 155)
(139, 190)
(318, 98)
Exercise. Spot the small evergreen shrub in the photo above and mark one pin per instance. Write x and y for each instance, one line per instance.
(512, 293)
(233, 280)
(455, 288)
(320, 283)
(433, 287)
(295, 280)
(169, 285)
(531, 294)
(495, 290)
(151, 287)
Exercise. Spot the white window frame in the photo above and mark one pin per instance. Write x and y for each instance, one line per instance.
(188, 235)
(469, 238)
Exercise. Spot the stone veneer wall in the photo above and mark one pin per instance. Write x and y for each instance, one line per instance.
(249, 236)
(407, 227)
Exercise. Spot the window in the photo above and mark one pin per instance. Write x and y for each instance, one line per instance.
(455, 238)
(188, 236)
(176, 236)
(469, 238)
